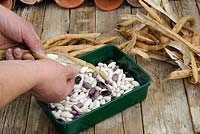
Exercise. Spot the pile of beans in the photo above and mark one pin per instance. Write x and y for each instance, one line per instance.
(91, 91)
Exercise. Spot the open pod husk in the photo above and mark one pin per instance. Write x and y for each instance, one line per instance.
(175, 41)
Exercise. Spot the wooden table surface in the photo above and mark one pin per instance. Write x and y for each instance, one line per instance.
(171, 108)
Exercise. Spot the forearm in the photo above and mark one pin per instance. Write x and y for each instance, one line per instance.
(17, 77)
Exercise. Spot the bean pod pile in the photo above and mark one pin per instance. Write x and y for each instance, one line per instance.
(91, 91)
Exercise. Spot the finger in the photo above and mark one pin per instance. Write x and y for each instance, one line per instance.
(32, 40)
(9, 54)
(17, 53)
(70, 85)
(27, 56)
(72, 71)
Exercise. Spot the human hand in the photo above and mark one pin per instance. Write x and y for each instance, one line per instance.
(55, 81)
(16, 31)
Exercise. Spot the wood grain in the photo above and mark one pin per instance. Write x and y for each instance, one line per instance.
(162, 110)
(83, 20)
(105, 23)
(38, 122)
(165, 103)
(173, 107)
(14, 115)
(188, 7)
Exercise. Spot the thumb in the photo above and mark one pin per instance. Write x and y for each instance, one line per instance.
(72, 71)
(32, 40)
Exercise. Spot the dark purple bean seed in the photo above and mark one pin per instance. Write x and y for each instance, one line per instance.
(106, 93)
(87, 85)
(96, 94)
(61, 120)
(128, 74)
(92, 91)
(78, 79)
(79, 105)
(94, 75)
(101, 84)
(115, 77)
(116, 67)
(108, 82)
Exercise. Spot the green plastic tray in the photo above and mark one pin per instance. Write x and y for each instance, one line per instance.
(117, 105)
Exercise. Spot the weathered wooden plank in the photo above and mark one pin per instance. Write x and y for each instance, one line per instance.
(132, 116)
(105, 23)
(56, 21)
(83, 20)
(2, 117)
(14, 116)
(165, 110)
(38, 122)
(188, 7)
(132, 120)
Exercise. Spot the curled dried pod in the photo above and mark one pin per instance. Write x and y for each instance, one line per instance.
(31, 2)
(8, 3)
(69, 3)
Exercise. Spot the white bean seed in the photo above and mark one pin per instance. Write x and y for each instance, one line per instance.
(96, 104)
(83, 69)
(91, 105)
(107, 98)
(80, 95)
(112, 64)
(56, 114)
(76, 108)
(135, 83)
(66, 115)
(68, 108)
(52, 56)
(87, 102)
(68, 119)
(102, 102)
